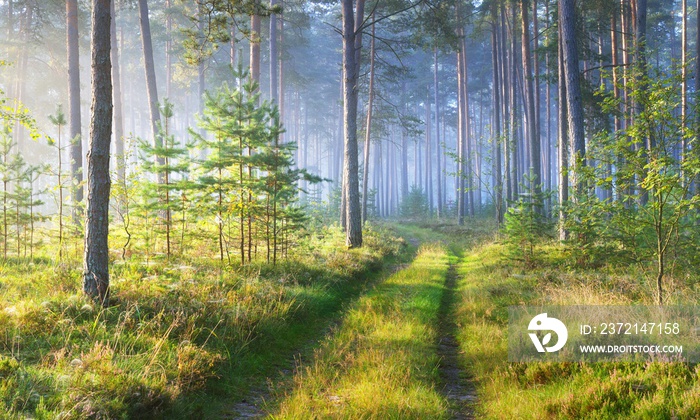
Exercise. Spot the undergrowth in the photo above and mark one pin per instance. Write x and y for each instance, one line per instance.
(490, 283)
(177, 336)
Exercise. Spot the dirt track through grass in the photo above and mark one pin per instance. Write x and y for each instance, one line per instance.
(393, 354)
(456, 387)
(382, 361)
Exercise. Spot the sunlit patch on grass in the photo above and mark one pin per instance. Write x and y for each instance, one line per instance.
(489, 283)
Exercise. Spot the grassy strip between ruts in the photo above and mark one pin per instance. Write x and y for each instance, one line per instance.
(489, 283)
(381, 361)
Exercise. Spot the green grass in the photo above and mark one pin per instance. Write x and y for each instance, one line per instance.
(188, 338)
(381, 361)
(181, 339)
(489, 283)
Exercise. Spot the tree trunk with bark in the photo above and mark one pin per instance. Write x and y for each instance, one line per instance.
(459, 193)
(74, 122)
(513, 128)
(467, 163)
(496, 125)
(574, 101)
(563, 130)
(437, 135)
(117, 98)
(684, 74)
(533, 135)
(255, 26)
(96, 261)
(404, 147)
(505, 104)
(149, 66)
(428, 154)
(168, 48)
(697, 89)
(640, 63)
(274, 56)
(351, 54)
(368, 128)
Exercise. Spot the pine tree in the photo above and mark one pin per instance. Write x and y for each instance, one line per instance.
(59, 120)
(230, 119)
(32, 175)
(9, 168)
(166, 161)
(279, 183)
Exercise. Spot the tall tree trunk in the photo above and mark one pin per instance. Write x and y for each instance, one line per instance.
(444, 164)
(255, 26)
(11, 18)
(304, 149)
(573, 91)
(378, 180)
(562, 124)
(437, 136)
(478, 153)
(201, 82)
(461, 135)
(74, 124)
(536, 82)
(282, 105)
(697, 87)
(21, 70)
(117, 98)
(641, 65)
(255, 38)
(514, 137)
(684, 75)
(274, 96)
(168, 48)
(404, 147)
(625, 44)
(368, 128)
(274, 56)
(428, 154)
(232, 48)
(548, 113)
(350, 71)
(151, 86)
(96, 261)
(467, 164)
(616, 89)
(533, 135)
(418, 166)
(506, 105)
(496, 126)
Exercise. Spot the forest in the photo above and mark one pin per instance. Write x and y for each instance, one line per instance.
(349, 209)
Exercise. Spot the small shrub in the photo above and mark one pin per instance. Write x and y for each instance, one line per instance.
(415, 204)
(195, 366)
(525, 227)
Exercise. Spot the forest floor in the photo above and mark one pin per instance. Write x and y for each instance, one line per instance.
(180, 338)
(393, 354)
(490, 281)
(430, 341)
(413, 325)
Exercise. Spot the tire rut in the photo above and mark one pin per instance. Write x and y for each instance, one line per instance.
(255, 403)
(455, 386)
